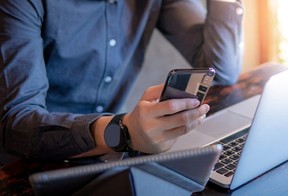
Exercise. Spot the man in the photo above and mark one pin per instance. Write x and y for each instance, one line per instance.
(66, 67)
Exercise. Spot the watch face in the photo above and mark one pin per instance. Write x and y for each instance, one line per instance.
(115, 137)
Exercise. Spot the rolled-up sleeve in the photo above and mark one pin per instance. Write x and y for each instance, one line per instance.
(27, 128)
(208, 35)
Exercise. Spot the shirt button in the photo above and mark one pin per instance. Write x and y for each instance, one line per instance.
(239, 11)
(108, 79)
(241, 44)
(99, 109)
(112, 42)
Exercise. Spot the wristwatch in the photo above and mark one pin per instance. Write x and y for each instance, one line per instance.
(117, 137)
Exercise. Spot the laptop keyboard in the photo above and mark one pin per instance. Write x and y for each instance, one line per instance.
(232, 148)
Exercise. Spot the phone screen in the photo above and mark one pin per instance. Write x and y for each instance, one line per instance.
(188, 83)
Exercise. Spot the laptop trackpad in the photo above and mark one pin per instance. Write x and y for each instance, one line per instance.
(223, 123)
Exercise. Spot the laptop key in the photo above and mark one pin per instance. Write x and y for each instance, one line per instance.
(240, 140)
(233, 143)
(235, 157)
(226, 161)
(236, 149)
(222, 156)
(226, 147)
(228, 152)
(218, 165)
(231, 166)
(229, 174)
(222, 171)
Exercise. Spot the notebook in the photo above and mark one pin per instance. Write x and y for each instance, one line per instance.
(260, 121)
(187, 169)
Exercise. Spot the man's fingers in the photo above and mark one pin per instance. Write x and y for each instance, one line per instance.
(153, 92)
(173, 106)
(179, 131)
(183, 118)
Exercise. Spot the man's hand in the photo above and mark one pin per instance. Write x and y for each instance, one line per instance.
(154, 126)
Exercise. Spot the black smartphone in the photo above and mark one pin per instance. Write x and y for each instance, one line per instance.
(188, 83)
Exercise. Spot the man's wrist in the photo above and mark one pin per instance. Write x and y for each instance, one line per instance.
(97, 129)
(117, 136)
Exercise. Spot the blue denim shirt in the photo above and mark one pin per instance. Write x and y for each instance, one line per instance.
(65, 63)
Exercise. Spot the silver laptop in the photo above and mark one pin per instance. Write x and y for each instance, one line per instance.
(265, 138)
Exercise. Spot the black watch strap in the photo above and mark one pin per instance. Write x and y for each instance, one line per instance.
(131, 152)
(118, 119)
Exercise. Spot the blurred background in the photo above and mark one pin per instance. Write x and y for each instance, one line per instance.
(265, 40)
(266, 32)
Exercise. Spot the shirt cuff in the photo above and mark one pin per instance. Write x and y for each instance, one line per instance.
(81, 131)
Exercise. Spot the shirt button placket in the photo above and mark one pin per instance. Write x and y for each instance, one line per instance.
(239, 11)
(99, 108)
(112, 1)
(112, 42)
(107, 79)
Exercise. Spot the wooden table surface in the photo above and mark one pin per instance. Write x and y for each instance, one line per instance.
(14, 176)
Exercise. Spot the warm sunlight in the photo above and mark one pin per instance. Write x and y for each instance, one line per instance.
(282, 16)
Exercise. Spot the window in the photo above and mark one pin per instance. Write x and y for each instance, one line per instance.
(282, 27)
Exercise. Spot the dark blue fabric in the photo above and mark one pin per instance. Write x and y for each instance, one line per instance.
(64, 63)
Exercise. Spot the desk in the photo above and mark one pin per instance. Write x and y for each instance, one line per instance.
(14, 177)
